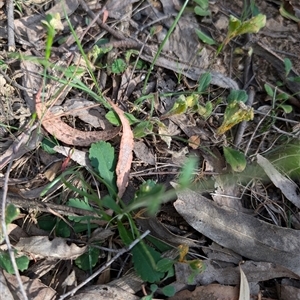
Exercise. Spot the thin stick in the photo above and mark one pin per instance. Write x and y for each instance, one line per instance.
(107, 264)
(47, 207)
(116, 34)
(92, 23)
(10, 25)
(13, 83)
(3, 223)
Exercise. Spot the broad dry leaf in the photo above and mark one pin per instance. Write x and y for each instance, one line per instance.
(184, 46)
(119, 9)
(230, 275)
(104, 292)
(287, 289)
(216, 252)
(227, 192)
(287, 186)
(63, 132)
(240, 232)
(166, 132)
(126, 150)
(34, 288)
(5, 292)
(87, 111)
(41, 246)
(212, 291)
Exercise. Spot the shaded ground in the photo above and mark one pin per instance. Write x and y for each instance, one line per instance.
(68, 190)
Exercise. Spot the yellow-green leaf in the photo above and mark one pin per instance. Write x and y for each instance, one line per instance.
(236, 27)
(235, 113)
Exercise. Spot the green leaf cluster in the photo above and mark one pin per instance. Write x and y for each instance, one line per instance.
(191, 103)
(118, 66)
(202, 8)
(11, 213)
(147, 262)
(237, 27)
(5, 262)
(279, 97)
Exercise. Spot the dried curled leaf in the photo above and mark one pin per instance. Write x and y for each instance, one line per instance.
(64, 132)
(126, 151)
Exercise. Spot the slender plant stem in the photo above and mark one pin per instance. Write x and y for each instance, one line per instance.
(3, 223)
(163, 43)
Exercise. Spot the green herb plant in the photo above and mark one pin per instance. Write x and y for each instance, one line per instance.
(236, 27)
(11, 213)
(102, 157)
(278, 99)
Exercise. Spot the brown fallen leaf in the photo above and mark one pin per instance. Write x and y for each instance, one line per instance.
(64, 132)
(126, 150)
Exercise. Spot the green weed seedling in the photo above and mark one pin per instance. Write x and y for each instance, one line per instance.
(52, 23)
(236, 111)
(202, 8)
(237, 27)
(288, 67)
(11, 213)
(190, 103)
(278, 100)
(235, 159)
